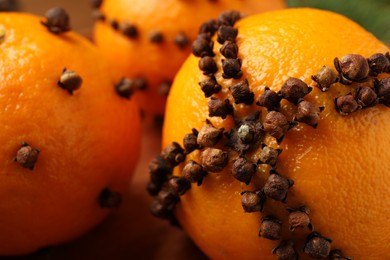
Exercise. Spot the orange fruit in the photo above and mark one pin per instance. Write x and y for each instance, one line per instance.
(169, 21)
(340, 169)
(81, 147)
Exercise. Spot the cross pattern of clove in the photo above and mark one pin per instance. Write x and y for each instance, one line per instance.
(218, 146)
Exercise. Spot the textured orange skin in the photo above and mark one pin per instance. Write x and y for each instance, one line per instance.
(340, 169)
(88, 141)
(159, 62)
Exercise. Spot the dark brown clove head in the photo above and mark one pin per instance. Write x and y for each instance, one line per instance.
(276, 187)
(159, 210)
(352, 67)
(242, 93)
(252, 201)
(346, 104)
(325, 78)
(269, 99)
(27, 156)
(227, 33)
(387, 55)
(168, 199)
(308, 113)
(285, 251)
(173, 154)
(294, 89)
(382, 89)
(194, 172)
(209, 27)
(229, 17)
(190, 142)
(159, 169)
(231, 68)
(220, 108)
(156, 37)
(276, 124)
(129, 30)
(69, 80)
(181, 40)
(214, 160)
(378, 64)
(209, 135)
(153, 188)
(366, 97)
(57, 20)
(229, 50)
(203, 46)
(207, 65)
(114, 24)
(243, 170)
(179, 185)
(299, 218)
(125, 88)
(210, 86)
(271, 228)
(317, 246)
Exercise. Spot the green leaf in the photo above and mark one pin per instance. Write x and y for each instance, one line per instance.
(373, 15)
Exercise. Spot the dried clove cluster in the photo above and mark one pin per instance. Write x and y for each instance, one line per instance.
(163, 185)
(362, 75)
(248, 134)
(167, 188)
(293, 90)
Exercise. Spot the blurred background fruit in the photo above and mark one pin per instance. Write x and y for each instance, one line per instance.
(149, 40)
(70, 143)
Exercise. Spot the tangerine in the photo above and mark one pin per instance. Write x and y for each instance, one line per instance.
(69, 141)
(333, 168)
(149, 40)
